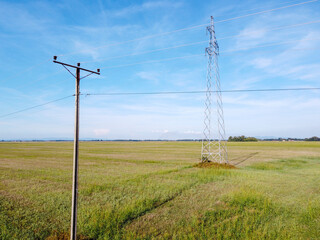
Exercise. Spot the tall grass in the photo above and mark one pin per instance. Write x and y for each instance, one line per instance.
(153, 191)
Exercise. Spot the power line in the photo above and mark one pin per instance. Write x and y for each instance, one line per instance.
(200, 91)
(270, 45)
(266, 11)
(150, 51)
(39, 105)
(32, 83)
(32, 112)
(197, 55)
(190, 44)
(223, 52)
(26, 70)
(153, 61)
(252, 9)
(164, 93)
(192, 27)
(200, 42)
(272, 29)
(184, 29)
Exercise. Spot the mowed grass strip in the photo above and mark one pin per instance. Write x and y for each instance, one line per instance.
(151, 190)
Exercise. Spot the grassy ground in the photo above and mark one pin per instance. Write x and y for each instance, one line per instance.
(152, 190)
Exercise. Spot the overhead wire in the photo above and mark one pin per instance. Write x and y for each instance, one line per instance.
(194, 43)
(191, 27)
(200, 42)
(265, 11)
(189, 44)
(223, 52)
(32, 112)
(150, 51)
(33, 82)
(165, 93)
(197, 55)
(201, 91)
(183, 29)
(26, 70)
(152, 61)
(201, 25)
(39, 105)
(253, 9)
(270, 45)
(271, 29)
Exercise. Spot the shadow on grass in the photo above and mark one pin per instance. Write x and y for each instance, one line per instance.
(280, 164)
(103, 222)
(242, 215)
(241, 160)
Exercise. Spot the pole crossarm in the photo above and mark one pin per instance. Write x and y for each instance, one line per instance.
(77, 67)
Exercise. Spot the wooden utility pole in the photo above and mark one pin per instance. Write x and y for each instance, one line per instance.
(73, 230)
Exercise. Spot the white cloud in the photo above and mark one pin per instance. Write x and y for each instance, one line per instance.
(192, 132)
(245, 83)
(149, 76)
(250, 36)
(292, 60)
(250, 33)
(160, 131)
(261, 62)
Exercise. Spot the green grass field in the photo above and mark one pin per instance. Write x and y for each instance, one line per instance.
(151, 190)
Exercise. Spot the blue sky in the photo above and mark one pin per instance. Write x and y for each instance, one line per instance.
(31, 32)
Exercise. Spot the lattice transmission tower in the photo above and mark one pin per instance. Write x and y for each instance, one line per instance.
(213, 147)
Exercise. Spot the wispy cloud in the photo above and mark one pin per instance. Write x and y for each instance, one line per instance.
(146, 6)
(15, 18)
(149, 76)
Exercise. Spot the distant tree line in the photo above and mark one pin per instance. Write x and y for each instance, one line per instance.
(313, 139)
(242, 139)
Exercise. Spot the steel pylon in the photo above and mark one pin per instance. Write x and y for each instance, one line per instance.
(213, 150)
